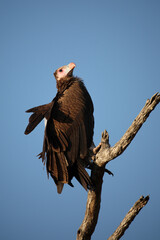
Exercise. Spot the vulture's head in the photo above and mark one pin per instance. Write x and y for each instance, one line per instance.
(64, 72)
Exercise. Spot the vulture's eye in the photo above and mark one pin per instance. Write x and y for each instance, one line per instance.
(60, 70)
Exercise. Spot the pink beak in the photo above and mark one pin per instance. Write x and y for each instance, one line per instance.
(71, 65)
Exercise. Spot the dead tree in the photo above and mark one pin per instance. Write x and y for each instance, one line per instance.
(101, 155)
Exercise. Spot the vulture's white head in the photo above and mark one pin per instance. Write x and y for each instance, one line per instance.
(65, 71)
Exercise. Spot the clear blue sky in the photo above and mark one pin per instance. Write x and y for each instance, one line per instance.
(116, 47)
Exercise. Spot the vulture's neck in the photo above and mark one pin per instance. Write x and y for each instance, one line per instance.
(63, 84)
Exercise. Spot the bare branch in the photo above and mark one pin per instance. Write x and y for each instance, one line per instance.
(109, 154)
(91, 215)
(94, 199)
(94, 195)
(119, 232)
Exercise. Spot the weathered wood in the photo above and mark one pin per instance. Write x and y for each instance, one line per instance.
(119, 232)
(94, 197)
(108, 154)
(93, 206)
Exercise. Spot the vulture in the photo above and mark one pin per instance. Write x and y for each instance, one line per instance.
(68, 131)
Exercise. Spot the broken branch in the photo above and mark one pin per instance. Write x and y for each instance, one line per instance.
(119, 232)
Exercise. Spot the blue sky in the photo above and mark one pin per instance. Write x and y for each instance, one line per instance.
(116, 47)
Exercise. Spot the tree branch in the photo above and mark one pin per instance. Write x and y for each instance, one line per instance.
(104, 154)
(109, 154)
(133, 212)
(92, 208)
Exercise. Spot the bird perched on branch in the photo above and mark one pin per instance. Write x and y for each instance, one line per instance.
(68, 132)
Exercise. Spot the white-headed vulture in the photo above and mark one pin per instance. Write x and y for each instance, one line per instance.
(69, 129)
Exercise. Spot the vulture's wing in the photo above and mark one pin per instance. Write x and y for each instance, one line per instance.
(39, 113)
(80, 132)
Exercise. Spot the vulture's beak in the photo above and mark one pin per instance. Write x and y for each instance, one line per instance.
(71, 66)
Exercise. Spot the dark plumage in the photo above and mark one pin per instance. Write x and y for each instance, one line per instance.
(69, 129)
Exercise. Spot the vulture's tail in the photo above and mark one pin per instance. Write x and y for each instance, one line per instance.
(82, 176)
(57, 167)
(38, 114)
(60, 174)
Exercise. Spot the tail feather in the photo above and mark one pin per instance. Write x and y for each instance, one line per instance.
(83, 177)
(57, 167)
(62, 168)
(59, 187)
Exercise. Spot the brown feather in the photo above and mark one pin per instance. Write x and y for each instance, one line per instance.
(82, 176)
(83, 141)
(38, 114)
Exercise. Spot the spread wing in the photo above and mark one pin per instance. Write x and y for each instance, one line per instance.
(39, 113)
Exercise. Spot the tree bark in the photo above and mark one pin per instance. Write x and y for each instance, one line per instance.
(101, 158)
(119, 232)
